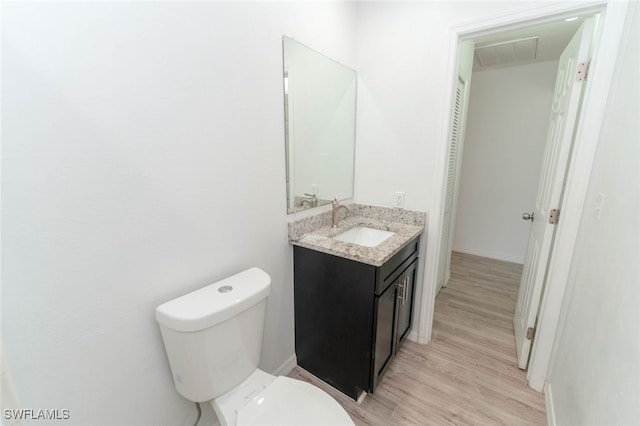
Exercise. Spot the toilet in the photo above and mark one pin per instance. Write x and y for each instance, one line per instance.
(213, 340)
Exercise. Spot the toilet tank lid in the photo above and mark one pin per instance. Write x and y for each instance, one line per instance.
(216, 302)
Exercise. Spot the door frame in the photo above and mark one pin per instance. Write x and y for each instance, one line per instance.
(607, 43)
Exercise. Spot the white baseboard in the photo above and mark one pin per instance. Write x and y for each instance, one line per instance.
(548, 402)
(413, 336)
(507, 257)
(286, 366)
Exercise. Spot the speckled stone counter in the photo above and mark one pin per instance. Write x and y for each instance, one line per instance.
(315, 232)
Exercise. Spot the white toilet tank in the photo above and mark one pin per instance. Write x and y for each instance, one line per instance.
(213, 336)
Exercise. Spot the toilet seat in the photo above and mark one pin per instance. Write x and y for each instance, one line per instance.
(293, 402)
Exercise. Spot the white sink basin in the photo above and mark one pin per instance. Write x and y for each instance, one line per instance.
(364, 236)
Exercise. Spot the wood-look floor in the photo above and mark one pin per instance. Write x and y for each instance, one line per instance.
(467, 374)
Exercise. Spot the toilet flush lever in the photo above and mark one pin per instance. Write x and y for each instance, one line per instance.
(527, 216)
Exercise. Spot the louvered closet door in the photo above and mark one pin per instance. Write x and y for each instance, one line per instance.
(451, 178)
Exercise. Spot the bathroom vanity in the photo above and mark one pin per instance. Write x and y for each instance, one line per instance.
(353, 303)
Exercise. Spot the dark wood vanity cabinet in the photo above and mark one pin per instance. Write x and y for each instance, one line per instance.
(350, 317)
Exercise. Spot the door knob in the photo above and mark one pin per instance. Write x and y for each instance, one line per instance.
(527, 216)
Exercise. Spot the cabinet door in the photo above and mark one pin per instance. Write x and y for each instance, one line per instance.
(385, 331)
(334, 313)
(405, 300)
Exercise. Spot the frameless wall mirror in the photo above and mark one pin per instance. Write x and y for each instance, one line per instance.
(320, 121)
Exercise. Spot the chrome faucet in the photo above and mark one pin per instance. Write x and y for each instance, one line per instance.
(336, 208)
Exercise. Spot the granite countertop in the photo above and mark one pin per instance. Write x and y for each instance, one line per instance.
(316, 233)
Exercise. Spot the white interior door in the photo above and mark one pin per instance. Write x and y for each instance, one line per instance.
(562, 120)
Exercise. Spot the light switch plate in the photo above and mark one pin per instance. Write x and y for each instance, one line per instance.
(398, 200)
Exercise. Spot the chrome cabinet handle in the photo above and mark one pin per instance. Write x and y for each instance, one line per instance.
(527, 216)
(405, 293)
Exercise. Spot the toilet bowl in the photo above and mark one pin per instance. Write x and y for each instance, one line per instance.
(213, 340)
(263, 399)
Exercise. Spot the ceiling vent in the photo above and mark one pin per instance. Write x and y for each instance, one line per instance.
(507, 52)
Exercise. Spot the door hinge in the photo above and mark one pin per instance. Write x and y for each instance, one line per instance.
(554, 216)
(530, 333)
(582, 71)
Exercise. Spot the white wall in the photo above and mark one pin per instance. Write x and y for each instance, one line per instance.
(595, 373)
(143, 157)
(505, 137)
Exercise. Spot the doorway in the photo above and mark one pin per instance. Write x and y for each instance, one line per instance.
(587, 137)
(506, 121)
(507, 115)
(521, 123)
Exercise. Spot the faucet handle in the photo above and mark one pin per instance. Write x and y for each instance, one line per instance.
(313, 196)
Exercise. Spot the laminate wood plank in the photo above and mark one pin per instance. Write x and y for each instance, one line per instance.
(467, 374)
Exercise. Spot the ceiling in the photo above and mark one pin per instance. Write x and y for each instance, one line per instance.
(523, 46)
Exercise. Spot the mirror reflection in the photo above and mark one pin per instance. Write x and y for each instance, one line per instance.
(320, 107)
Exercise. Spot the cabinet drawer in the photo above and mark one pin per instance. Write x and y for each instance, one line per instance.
(388, 272)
